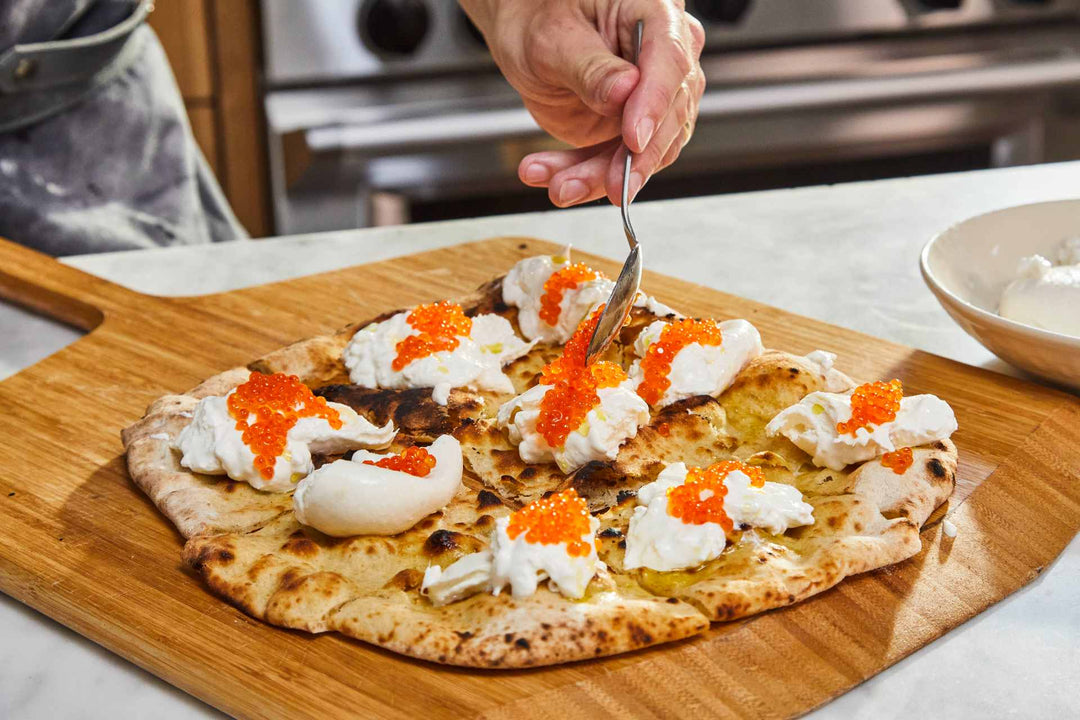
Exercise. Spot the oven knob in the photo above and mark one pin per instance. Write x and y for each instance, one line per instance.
(941, 4)
(720, 11)
(393, 27)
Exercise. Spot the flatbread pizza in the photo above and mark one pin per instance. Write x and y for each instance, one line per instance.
(455, 483)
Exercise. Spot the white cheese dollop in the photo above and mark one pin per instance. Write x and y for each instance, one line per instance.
(606, 427)
(476, 363)
(658, 541)
(347, 497)
(1044, 295)
(701, 369)
(523, 288)
(811, 425)
(835, 381)
(211, 444)
(516, 563)
(1069, 251)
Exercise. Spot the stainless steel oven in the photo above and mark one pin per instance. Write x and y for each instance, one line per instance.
(391, 110)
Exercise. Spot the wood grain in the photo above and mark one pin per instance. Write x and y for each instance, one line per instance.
(81, 544)
(181, 26)
(242, 137)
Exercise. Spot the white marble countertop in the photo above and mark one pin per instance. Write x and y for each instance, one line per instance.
(809, 250)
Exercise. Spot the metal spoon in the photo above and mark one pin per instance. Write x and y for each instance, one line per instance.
(629, 280)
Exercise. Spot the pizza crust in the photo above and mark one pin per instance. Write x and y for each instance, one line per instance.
(251, 551)
(367, 588)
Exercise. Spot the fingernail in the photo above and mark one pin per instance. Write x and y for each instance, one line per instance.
(636, 181)
(645, 129)
(537, 173)
(573, 191)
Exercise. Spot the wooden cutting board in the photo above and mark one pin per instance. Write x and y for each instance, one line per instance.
(80, 543)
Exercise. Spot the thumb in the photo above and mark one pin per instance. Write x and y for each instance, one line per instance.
(583, 64)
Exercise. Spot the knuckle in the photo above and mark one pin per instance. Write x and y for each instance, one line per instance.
(697, 34)
(684, 57)
(684, 106)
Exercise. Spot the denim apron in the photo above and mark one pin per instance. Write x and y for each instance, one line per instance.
(96, 153)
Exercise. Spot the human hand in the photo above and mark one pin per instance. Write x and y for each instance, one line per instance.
(565, 58)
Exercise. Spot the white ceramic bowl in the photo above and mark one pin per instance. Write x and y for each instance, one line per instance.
(968, 266)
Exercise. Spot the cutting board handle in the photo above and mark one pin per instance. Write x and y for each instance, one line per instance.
(59, 291)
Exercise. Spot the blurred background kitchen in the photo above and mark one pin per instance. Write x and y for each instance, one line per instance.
(332, 114)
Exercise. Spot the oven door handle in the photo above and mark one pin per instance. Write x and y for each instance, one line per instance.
(403, 136)
(1025, 77)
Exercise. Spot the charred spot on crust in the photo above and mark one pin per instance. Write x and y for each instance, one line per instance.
(622, 544)
(522, 643)
(611, 533)
(939, 446)
(684, 406)
(291, 579)
(300, 545)
(508, 637)
(595, 472)
(639, 634)
(486, 499)
(794, 371)
(441, 541)
(672, 601)
(406, 580)
(528, 473)
(210, 554)
(412, 411)
(487, 299)
(624, 495)
(936, 468)
(463, 634)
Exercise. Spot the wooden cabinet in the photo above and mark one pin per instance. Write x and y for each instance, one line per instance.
(214, 49)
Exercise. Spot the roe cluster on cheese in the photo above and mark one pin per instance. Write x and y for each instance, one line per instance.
(526, 286)
(659, 540)
(212, 444)
(475, 362)
(358, 497)
(697, 368)
(614, 420)
(521, 558)
(812, 424)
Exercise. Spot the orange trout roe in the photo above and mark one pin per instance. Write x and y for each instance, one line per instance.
(656, 365)
(558, 283)
(685, 503)
(898, 460)
(277, 401)
(562, 517)
(438, 326)
(413, 460)
(873, 404)
(574, 385)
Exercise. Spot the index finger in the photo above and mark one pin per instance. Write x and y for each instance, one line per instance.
(667, 58)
